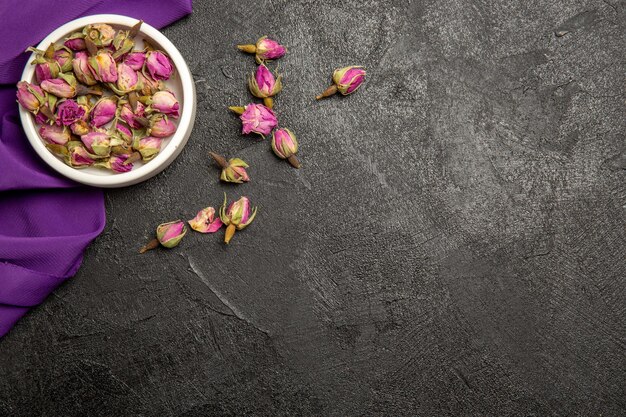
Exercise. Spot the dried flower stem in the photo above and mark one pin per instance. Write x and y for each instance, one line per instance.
(327, 93)
(268, 102)
(221, 161)
(154, 243)
(237, 109)
(249, 48)
(230, 232)
(294, 161)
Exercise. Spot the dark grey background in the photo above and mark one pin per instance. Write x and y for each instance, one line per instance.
(453, 245)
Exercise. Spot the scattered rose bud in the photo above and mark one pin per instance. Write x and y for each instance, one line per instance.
(165, 102)
(103, 67)
(206, 221)
(116, 163)
(159, 65)
(103, 111)
(256, 118)
(135, 60)
(82, 70)
(98, 143)
(237, 216)
(168, 235)
(265, 49)
(100, 34)
(31, 97)
(346, 80)
(160, 126)
(54, 134)
(148, 147)
(263, 85)
(69, 112)
(233, 170)
(285, 146)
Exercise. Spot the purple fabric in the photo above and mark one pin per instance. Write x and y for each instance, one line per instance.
(46, 221)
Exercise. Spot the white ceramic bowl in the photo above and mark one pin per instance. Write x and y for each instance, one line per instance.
(181, 84)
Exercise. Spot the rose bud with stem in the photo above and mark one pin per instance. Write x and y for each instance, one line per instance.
(345, 81)
(265, 49)
(168, 235)
(236, 217)
(233, 170)
(263, 85)
(285, 146)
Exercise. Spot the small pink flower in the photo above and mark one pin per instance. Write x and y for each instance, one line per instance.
(116, 163)
(103, 111)
(58, 87)
(29, 96)
(267, 48)
(103, 67)
(149, 147)
(206, 221)
(130, 117)
(63, 58)
(285, 146)
(54, 134)
(82, 70)
(75, 44)
(127, 78)
(159, 65)
(165, 102)
(135, 60)
(79, 157)
(161, 126)
(46, 71)
(68, 112)
(170, 234)
(348, 79)
(124, 132)
(97, 143)
(237, 216)
(257, 118)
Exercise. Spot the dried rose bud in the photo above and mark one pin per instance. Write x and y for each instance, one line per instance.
(44, 115)
(31, 97)
(54, 134)
(127, 79)
(103, 67)
(82, 70)
(124, 133)
(63, 57)
(116, 163)
(46, 71)
(69, 112)
(159, 65)
(100, 34)
(346, 80)
(161, 126)
(80, 128)
(132, 118)
(59, 87)
(148, 147)
(206, 221)
(263, 85)
(148, 85)
(76, 42)
(168, 235)
(103, 111)
(165, 102)
(265, 49)
(98, 143)
(285, 146)
(78, 156)
(256, 118)
(233, 170)
(135, 60)
(236, 217)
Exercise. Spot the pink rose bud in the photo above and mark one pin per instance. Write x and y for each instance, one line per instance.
(263, 85)
(78, 156)
(285, 146)
(80, 128)
(346, 80)
(256, 118)
(75, 43)
(161, 126)
(170, 234)
(63, 57)
(100, 34)
(124, 133)
(103, 111)
(42, 115)
(159, 65)
(103, 67)
(127, 79)
(206, 221)
(148, 147)
(82, 70)
(237, 216)
(135, 60)
(265, 49)
(58, 87)
(165, 102)
(54, 134)
(68, 112)
(98, 143)
(116, 163)
(148, 85)
(130, 117)
(233, 170)
(31, 97)
(46, 71)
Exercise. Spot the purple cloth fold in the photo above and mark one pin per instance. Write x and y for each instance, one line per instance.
(46, 221)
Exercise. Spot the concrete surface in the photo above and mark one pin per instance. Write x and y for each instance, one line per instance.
(454, 244)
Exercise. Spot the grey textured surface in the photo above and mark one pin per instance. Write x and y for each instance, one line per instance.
(454, 244)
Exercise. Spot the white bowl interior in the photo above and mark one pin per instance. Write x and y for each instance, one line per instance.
(181, 84)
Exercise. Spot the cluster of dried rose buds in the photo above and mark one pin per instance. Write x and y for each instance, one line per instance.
(236, 216)
(99, 101)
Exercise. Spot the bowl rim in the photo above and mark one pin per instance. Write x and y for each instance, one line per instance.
(167, 154)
